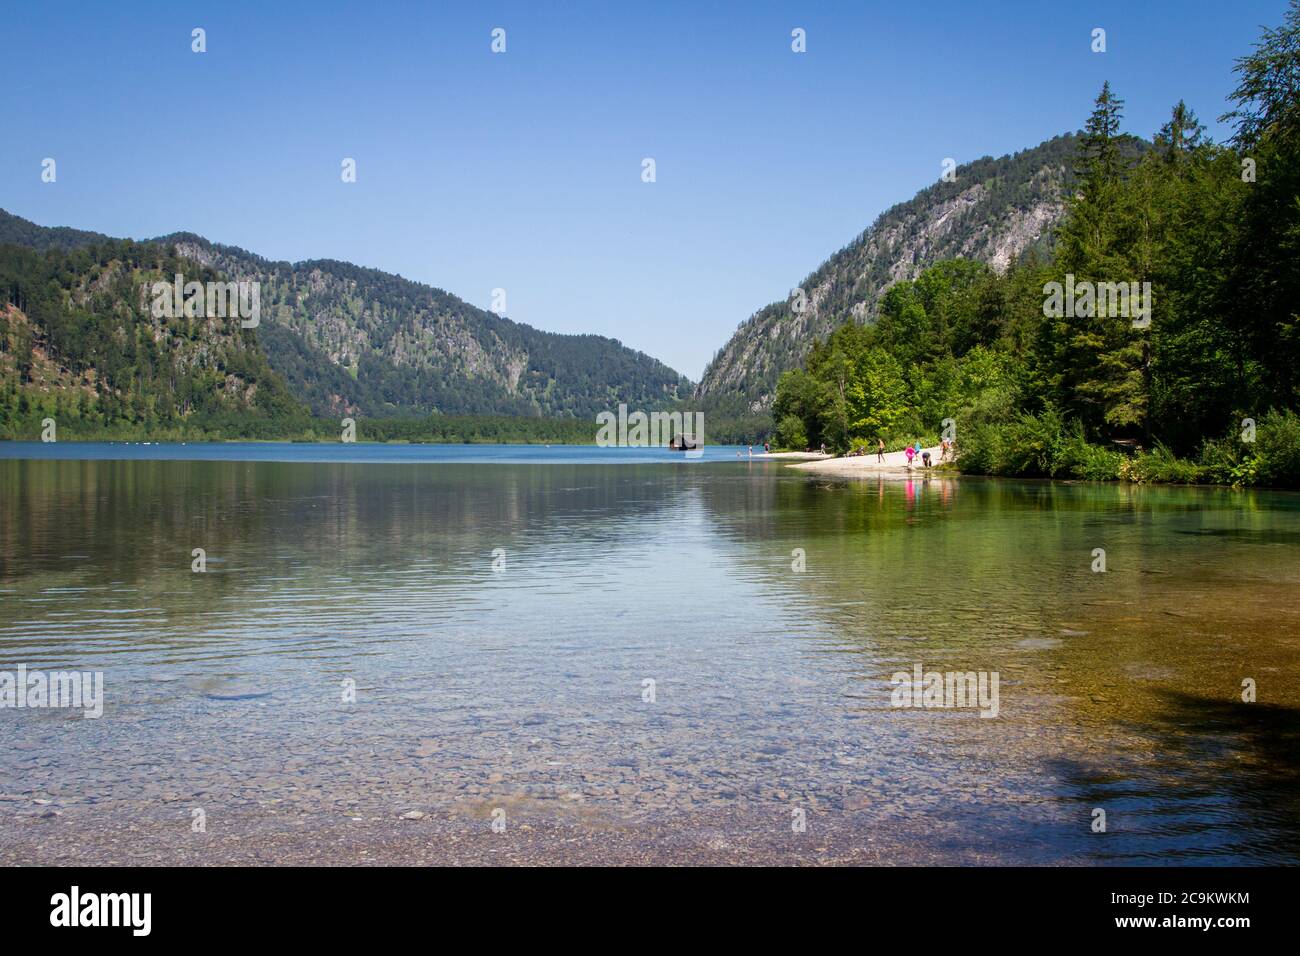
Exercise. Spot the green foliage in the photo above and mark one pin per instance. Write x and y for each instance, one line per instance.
(791, 434)
(1040, 392)
(938, 347)
(1277, 450)
(1027, 445)
(1266, 95)
(1081, 459)
(1044, 445)
(79, 342)
(803, 396)
(852, 283)
(1160, 465)
(1273, 458)
(349, 340)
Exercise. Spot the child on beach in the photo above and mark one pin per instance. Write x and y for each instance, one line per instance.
(910, 453)
(925, 458)
(880, 450)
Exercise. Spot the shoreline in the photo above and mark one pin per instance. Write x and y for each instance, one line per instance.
(812, 464)
(866, 466)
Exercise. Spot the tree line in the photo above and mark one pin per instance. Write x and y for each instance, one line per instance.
(1201, 387)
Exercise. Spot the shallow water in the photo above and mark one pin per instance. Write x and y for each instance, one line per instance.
(523, 688)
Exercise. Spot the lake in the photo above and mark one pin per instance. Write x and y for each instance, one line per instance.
(483, 653)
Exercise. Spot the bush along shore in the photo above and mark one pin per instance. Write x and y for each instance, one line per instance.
(1263, 454)
(1266, 453)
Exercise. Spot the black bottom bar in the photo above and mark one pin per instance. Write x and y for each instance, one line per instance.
(942, 904)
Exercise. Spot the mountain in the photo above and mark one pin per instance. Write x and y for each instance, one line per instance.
(79, 339)
(353, 340)
(16, 231)
(994, 211)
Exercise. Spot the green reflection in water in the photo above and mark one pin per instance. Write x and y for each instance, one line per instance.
(524, 687)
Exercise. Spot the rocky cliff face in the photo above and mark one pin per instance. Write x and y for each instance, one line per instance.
(341, 319)
(994, 211)
(352, 339)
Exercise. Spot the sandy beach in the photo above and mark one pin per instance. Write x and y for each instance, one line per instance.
(861, 466)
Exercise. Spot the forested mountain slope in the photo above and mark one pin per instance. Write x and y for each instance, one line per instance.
(994, 211)
(353, 340)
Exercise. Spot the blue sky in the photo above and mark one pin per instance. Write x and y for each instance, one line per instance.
(522, 170)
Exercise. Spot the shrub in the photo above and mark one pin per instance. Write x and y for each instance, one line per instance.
(1272, 459)
(1081, 459)
(979, 449)
(1028, 445)
(1035, 443)
(1277, 449)
(1160, 464)
(1225, 462)
(1042, 446)
(790, 433)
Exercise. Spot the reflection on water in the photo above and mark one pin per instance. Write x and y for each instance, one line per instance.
(523, 687)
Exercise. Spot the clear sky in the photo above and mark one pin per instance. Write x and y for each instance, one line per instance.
(522, 170)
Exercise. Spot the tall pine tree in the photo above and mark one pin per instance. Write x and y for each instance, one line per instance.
(1099, 361)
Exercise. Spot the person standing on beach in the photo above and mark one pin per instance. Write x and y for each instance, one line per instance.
(880, 451)
(910, 452)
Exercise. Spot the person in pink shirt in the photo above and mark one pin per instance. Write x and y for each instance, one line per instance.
(911, 453)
